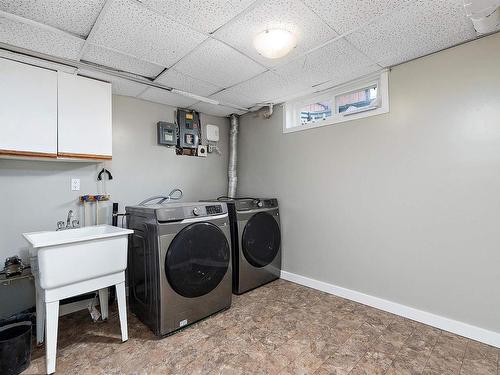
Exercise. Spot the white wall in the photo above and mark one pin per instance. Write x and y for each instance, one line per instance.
(403, 206)
(36, 194)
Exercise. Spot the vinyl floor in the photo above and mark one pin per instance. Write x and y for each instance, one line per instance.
(280, 328)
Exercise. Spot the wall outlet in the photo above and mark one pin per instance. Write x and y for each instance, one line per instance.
(75, 184)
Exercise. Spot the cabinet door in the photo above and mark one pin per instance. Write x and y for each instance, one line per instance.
(84, 117)
(28, 110)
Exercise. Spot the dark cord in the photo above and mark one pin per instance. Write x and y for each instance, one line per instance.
(225, 197)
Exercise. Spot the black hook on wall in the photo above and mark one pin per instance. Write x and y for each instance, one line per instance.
(105, 171)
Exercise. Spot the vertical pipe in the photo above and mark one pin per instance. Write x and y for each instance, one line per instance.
(233, 155)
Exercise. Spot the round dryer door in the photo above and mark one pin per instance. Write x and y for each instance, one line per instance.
(197, 260)
(261, 239)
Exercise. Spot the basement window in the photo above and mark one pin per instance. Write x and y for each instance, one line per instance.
(316, 112)
(359, 99)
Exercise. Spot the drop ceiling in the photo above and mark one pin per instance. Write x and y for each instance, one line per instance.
(205, 47)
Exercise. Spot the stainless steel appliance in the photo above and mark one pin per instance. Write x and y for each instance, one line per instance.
(256, 242)
(179, 264)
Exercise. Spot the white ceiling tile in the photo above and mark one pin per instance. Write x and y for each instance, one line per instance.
(39, 39)
(291, 15)
(338, 62)
(175, 79)
(129, 27)
(267, 87)
(75, 16)
(157, 95)
(347, 15)
(120, 61)
(232, 96)
(421, 28)
(215, 110)
(204, 15)
(218, 64)
(334, 64)
(119, 86)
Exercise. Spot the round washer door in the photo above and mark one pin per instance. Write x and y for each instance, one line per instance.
(261, 239)
(197, 260)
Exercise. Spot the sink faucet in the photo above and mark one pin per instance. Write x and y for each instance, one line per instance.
(68, 220)
(70, 223)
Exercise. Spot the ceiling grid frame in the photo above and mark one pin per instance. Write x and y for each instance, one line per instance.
(28, 21)
(343, 35)
(209, 36)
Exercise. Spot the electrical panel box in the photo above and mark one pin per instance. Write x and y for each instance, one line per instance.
(167, 133)
(189, 129)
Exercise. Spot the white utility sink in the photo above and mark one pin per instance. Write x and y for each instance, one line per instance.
(72, 262)
(74, 255)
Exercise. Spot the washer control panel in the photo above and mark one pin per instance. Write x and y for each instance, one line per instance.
(172, 212)
(214, 210)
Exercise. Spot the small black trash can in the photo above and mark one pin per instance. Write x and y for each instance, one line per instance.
(15, 347)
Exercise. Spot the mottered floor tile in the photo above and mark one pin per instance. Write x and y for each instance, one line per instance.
(281, 328)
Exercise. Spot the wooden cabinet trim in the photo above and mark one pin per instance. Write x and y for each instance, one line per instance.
(31, 154)
(83, 156)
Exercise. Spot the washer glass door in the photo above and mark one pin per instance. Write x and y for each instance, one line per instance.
(261, 239)
(197, 260)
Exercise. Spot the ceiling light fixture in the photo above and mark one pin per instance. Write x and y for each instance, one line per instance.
(274, 43)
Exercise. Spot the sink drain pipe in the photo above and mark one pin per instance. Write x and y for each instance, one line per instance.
(234, 126)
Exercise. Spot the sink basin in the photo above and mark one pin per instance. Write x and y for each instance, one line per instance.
(72, 262)
(60, 258)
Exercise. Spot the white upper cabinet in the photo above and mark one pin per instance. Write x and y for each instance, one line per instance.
(28, 110)
(84, 117)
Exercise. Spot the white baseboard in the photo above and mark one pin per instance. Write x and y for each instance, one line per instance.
(454, 326)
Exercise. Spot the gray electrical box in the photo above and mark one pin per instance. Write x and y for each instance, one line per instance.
(189, 128)
(167, 133)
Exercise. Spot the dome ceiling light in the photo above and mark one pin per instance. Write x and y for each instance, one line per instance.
(274, 43)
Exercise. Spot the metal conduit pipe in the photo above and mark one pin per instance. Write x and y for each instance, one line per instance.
(233, 155)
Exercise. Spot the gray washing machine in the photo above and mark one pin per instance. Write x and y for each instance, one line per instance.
(256, 242)
(179, 263)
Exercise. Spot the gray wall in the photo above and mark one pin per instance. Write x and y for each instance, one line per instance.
(36, 194)
(404, 206)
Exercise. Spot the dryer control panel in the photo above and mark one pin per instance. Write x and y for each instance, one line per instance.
(255, 203)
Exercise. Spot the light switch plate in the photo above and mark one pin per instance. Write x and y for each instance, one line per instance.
(75, 184)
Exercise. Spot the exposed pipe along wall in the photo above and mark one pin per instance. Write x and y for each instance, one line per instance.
(233, 155)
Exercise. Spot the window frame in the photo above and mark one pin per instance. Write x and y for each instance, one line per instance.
(292, 108)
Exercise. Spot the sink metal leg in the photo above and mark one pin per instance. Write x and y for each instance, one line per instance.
(122, 309)
(40, 317)
(103, 302)
(52, 319)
